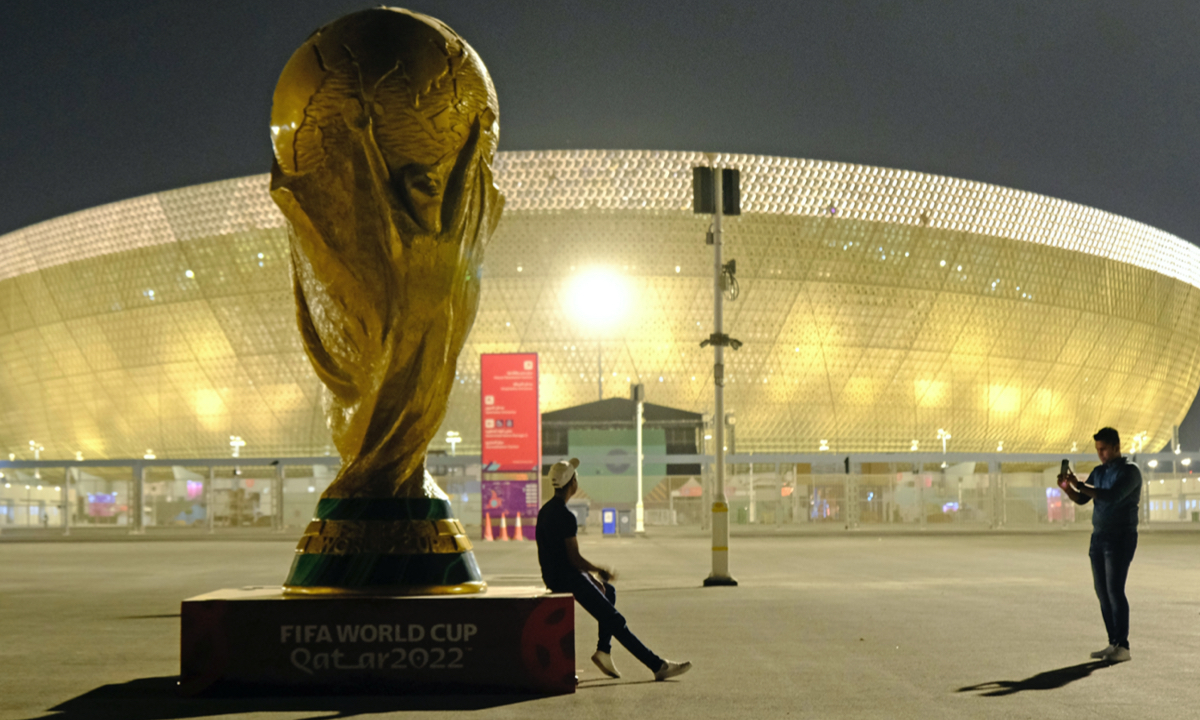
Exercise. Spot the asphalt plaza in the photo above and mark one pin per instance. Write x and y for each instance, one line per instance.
(857, 624)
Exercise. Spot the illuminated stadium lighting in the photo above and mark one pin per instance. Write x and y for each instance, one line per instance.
(598, 298)
(1186, 461)
(1153, 464)
(1139, 442)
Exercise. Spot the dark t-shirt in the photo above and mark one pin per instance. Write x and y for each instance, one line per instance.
(555, 523)
(1118, 514)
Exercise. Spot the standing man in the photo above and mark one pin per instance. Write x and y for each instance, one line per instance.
(564, 570)
(1116, 486)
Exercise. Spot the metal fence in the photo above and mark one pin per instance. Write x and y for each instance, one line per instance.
(215, 495)
(955, 497)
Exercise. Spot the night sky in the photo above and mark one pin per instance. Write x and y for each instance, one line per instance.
(1091, 101)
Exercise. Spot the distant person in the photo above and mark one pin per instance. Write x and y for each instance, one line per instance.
(1116, 486)
(564, 570)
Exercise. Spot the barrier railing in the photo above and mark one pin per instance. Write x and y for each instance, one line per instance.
(918, 489)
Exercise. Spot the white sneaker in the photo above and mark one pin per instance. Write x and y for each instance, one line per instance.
(1119, 654)
(671, 669)
(604, 661)
(1101, 654)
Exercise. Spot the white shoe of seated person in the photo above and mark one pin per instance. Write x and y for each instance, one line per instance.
(671, 669)
(605, 662)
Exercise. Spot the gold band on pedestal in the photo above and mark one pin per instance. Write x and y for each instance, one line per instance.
(468, 588)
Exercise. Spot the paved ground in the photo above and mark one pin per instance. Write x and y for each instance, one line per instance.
(851, 625)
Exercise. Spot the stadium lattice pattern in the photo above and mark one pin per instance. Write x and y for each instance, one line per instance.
(876, 307)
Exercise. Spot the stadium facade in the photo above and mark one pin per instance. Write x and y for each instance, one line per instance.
(876, 307)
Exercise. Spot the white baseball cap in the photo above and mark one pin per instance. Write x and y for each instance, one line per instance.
(563, 471)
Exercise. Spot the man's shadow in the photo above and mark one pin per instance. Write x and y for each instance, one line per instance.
(156, 699)
(1048, 680)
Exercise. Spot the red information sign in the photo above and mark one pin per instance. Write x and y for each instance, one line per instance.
(512, 420)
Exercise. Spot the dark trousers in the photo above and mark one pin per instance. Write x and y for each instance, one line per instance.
(1111, 557)
(603, 607)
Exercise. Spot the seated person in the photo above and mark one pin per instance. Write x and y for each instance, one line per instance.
(564, 570)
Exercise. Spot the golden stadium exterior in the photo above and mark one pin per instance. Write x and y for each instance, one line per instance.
(877, 306)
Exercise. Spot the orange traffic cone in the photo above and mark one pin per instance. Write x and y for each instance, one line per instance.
(517, 533)
(487, 527)
(503, 528)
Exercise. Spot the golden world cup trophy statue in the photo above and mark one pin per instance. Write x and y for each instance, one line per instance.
(385, 125)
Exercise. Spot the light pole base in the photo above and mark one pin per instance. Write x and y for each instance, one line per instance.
(720, 581)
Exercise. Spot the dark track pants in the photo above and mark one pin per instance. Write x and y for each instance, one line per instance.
(1111, 557)
(603, 607)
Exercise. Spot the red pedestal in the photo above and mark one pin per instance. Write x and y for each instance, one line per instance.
(509, 640)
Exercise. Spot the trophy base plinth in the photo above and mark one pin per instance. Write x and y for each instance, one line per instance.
(258, 641)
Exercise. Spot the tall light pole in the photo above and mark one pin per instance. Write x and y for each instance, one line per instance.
(943, 436)
(711, 194)
(69, 475)
(639, 397)
(36, 449)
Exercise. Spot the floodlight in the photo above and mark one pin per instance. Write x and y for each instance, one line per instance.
(598, 298)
